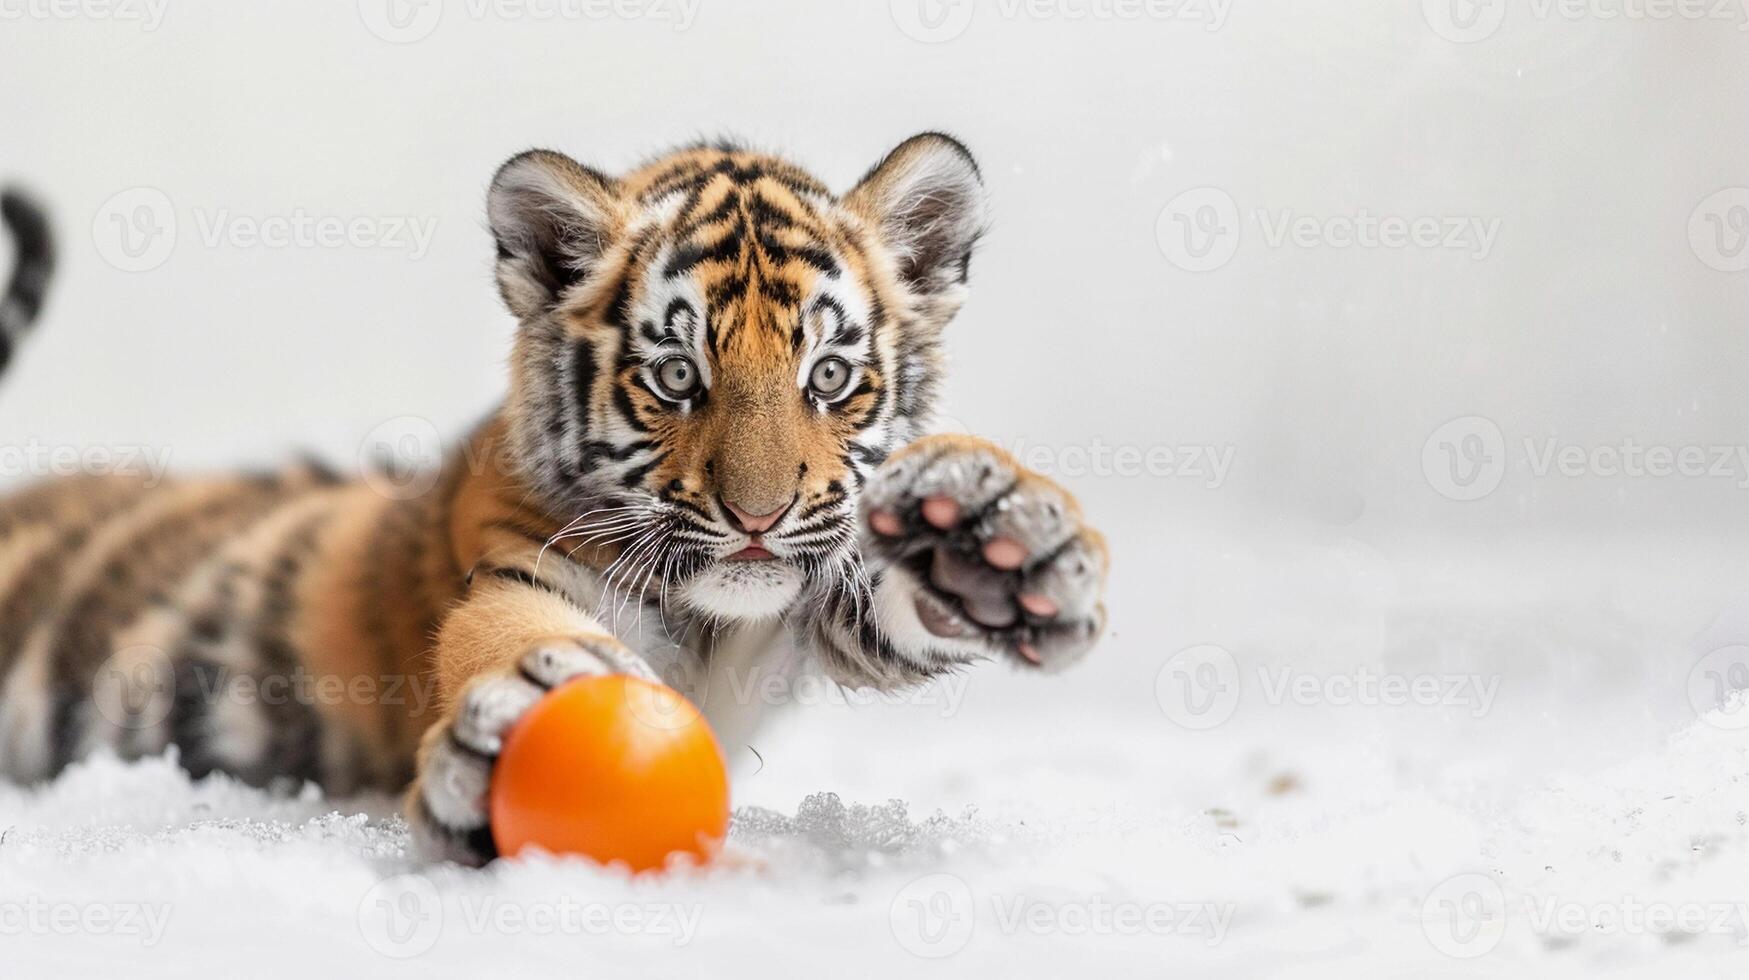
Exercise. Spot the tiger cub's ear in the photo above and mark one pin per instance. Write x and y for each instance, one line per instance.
(553, 219)
(927, 200)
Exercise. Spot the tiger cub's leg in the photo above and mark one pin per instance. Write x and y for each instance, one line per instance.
(512, 639)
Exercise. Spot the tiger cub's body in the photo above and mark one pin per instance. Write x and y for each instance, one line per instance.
(276, 627)
(707, 471)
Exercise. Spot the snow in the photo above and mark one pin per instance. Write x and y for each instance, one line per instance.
(1579, 826)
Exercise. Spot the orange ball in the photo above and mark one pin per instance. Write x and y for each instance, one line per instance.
(615, 768)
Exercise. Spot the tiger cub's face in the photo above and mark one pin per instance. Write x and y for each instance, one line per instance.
(715, 351)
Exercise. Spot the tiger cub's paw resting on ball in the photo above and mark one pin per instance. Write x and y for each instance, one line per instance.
(982, 556)
(448, 805)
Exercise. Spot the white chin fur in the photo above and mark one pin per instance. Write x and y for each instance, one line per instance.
(745, 590)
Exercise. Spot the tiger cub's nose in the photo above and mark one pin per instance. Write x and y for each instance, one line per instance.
(755, 523)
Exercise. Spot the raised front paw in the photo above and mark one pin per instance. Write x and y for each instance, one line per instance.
(993, 554)
(447, 805)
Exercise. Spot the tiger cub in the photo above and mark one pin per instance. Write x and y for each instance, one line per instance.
(708, 470)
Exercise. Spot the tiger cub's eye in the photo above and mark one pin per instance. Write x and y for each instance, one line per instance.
(677, 377)
(830, 377)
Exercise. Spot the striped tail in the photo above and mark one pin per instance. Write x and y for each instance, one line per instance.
(34, 262)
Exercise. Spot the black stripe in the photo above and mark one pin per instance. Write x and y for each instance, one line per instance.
(504, 573)
(296, 743)
(517, 528)
(35, 257)
(582, 384)
(635, 475)
(622, 402)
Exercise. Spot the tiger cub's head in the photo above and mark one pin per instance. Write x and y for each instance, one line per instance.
(715, 351)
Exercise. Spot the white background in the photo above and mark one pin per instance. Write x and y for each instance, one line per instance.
(1587, 142)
